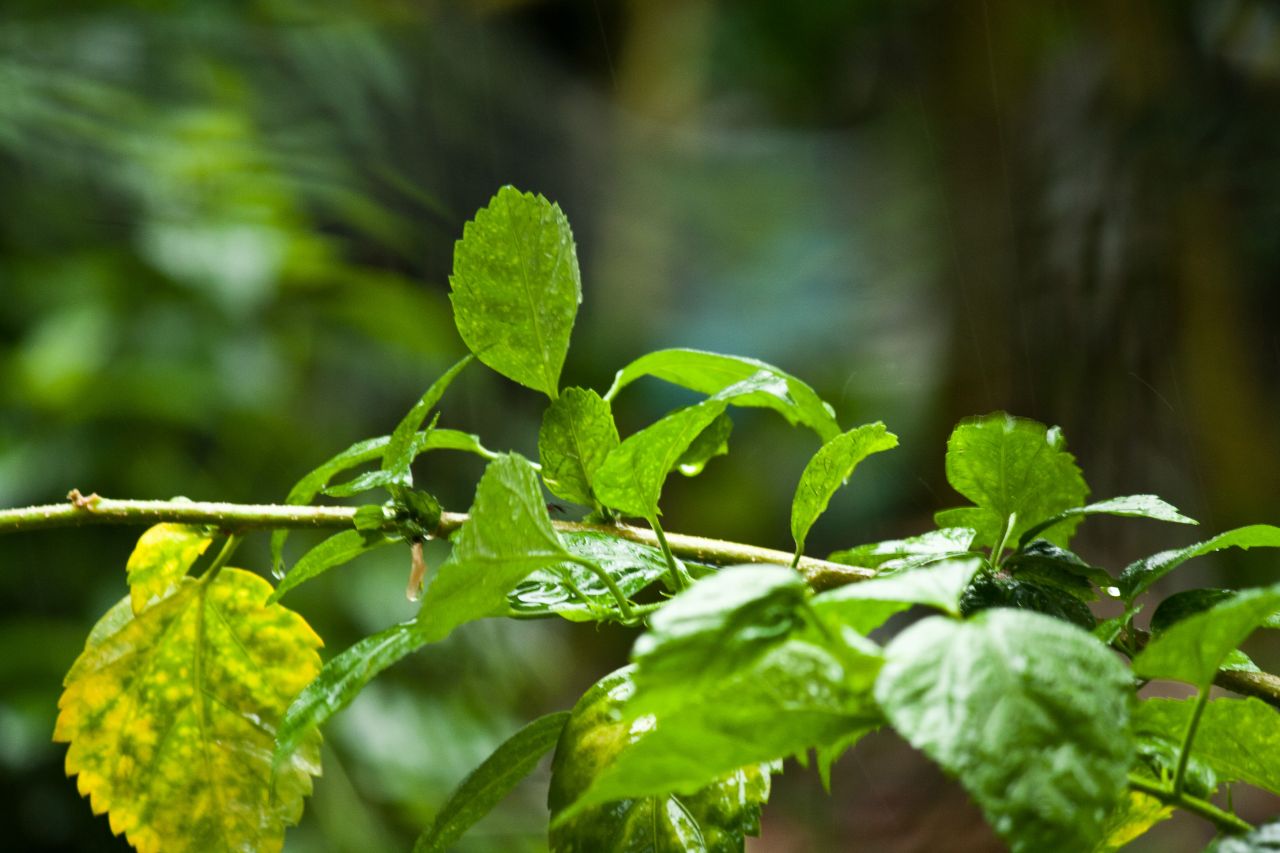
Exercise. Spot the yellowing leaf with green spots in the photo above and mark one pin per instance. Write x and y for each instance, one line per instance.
(171, 717)
(162, 557)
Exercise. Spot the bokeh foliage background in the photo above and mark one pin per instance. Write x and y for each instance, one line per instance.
(226, 232)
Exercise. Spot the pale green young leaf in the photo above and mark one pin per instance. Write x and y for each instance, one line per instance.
(170, 717)
(1237, 740)
(828, 470)
(161, 559)
(508, 537)
(713, 629)
(711, 373)
(794, 697)
(1011, 467)
(337, 550)
(631, 478)
(577, 434)
(488, 784)
(714, 819)
(400, 449)
(1139, 576)
(710, 443)
(1130, 506)
(938, 585)
(1029, 713)
(1130, 819)
(576, 593)
(1194, 648)
(516, 288)
(894, 554)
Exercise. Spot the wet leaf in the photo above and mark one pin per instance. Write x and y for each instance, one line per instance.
(1139, 576)
(714, 819)
(710, 443)
(337, 550)
(632, 566)
(1029, 713)
(161, 559)
(400, 451)
(711, 373)
(488, 784)
(1011, 467)
(516, 288)
(990, 591)
(828, 470)
(938, 585)
(1189, 602)
(894, 554)
(1194, 648)
(1238, 740)
(171, 716)
(1130, 506)
(1046, 564)
(432, 439)
(577, 434)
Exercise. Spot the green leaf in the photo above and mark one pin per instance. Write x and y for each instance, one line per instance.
(1264, 839)
(508, 537)
(1189, 602)
(400, 449)
(796, 696)
(714, 819)
(1238, 740)
(577, 434)
(340, 548)
(828, 470)
(1194, 648)
(340, 681)
(432, 439)
(161, 559)
(631, 478)
(516, 288)
(1131, 506)
(1139, 576)
(894, 554)
(1029, 713)
(711, 373)
(1046, 564)
(170, 716)
(632, 566)
(1130, 819)
(1011, 467)
(488, 784)
(939, 585)
(710, 443)
(991, 591)
(714, 628)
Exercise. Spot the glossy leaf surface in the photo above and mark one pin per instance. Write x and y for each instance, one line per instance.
(1140, 575)
(827, 471)
(893, 554)
(171, 716)
(577, 434)
(1129, 506)
(989, 591)
(938, 585)
(1030, 714)
(710, 443)
(632, 566)
(516, 288)
(337, 550)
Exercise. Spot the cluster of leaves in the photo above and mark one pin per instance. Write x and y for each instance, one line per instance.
(193, 713)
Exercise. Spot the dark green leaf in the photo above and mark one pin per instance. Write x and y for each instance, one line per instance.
(937, 585)
(829, 468)
(711, 373)
(714, 819)
(1238, 740)
(508, 536)
(577, 434)
(988, 591)
(896, 554)
(710, 443)
(1180, 605)
(488, 784)
(631, 478)
(631, 565)
(340, 548)
(400, 449)
(796, 696)
(713, 629)
(1011, 467)
(341, 680)
(1194, 648)
(1264, 839)
(516, 288)
(1131, 506)
(1030, 714)
(1046, 564)
(1139, 576)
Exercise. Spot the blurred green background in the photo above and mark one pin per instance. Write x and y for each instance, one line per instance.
(226, 233)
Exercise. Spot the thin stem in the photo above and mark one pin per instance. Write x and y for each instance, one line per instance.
(795, 561)
(1184, 755)
(624, 606)
(679, 581)
(1225, 821)
(228, 548)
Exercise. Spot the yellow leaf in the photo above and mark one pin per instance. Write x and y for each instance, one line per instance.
(171, 717)
(162, 557)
